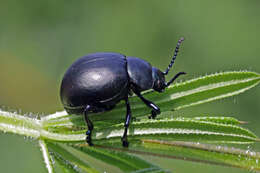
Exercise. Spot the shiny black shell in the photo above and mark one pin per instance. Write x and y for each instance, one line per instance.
(140, 73)
(99, 79)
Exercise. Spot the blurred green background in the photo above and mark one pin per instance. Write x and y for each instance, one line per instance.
(40, 39)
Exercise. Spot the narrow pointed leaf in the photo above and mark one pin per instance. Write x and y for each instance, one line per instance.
(206, 129)
(46, 156)
(68, 160)
(194, 152)
(181, 129)
(223, 120)
(122, 160)
(62, 166)
(220, 155)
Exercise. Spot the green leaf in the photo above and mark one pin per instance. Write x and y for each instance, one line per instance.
(223, 120)
(122, 160)
(191, 151)
(75, 158)
(211, 154)
(188, 129)
(204, 129)
(68, 160)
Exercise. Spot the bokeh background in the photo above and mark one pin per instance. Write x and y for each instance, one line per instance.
(40, 39)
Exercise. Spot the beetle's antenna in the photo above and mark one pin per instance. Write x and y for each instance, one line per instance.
(174, 56)
(173, 79)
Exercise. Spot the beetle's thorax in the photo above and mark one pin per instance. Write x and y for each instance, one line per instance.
(140, 74)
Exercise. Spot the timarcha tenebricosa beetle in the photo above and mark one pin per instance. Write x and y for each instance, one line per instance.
(97, 82)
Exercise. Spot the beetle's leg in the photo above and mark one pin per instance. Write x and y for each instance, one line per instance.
(155, 109)
(127, 122)
(90, 125)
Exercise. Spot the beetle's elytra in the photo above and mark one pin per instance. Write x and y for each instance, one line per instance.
(98, 81)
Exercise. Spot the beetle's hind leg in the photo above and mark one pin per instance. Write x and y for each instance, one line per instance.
(89, 124)
(127, 123)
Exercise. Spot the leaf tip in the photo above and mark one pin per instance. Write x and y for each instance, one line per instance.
(243, 122)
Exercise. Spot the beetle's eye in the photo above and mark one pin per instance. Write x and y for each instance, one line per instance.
(160, 86)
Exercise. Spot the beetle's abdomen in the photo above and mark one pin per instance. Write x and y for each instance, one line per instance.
(98, 79)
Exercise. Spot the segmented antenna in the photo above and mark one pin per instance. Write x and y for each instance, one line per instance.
(174, 56)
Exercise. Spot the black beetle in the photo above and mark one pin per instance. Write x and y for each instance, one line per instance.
(98, 81)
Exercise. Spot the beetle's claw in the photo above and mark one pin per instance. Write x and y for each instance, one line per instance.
(125, 143)
(152, 117)
(88, 138)
(89, 141)
(154, 114)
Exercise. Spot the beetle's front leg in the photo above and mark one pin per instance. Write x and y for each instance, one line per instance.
(155, 109)
(89, 124)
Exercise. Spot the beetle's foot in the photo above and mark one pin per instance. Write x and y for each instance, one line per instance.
(133, 118)
(152, 117)
(154, 114)
(88, 138)
(89, 141)
(125, 143)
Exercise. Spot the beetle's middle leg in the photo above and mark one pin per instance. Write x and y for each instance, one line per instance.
(89, 124)
(127, 123)
(155, 109)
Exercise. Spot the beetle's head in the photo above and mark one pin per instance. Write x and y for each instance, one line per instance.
(159, 83)
(158, 80)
